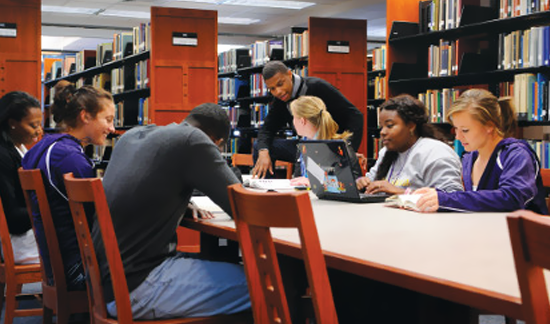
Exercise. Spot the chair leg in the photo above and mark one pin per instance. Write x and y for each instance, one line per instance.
(47, 315)
(63, 315)
(2, 290)
(11, 304)
(509, 320)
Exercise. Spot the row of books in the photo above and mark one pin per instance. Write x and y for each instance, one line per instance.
(229, 61)
(230, 88)
(524, 48)
(379, 58)
(257, 85)
(438, 102)
(261, 51)
(531, 96)
(62, 67)
(542, 148)
(443, 59)
(380, 87)
(514, 8)
(233, 112)
(132, 112)
(233, 145)
(302, 71)
(441, 14)
(296, 45)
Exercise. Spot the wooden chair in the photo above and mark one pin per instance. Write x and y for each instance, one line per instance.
(246, 160)
(57, 299)
(255, 213)
(13, 276)
(530, 236)
(82, 191)
(545, 175)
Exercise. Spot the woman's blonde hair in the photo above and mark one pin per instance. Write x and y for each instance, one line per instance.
(314, 110)
(483, 106)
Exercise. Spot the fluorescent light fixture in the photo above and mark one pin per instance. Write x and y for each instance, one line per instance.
(297, 5)
(126, 14)
(69, 10)
(237, 21)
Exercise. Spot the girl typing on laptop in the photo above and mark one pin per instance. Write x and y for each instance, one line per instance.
(413, 155)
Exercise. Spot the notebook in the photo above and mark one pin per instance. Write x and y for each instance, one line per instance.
(330, 172)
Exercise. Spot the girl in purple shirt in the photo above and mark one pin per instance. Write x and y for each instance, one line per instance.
(500, 173)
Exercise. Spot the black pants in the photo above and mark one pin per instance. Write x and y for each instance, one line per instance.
(281, 150)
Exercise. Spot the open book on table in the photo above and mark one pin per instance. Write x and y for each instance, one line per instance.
(268, 184)
(407, 201)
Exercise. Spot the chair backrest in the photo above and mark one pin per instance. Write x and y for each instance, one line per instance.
(33, 186)
(530, 236)
(545, 175)
(7, 250)
(255, 213)
(90, 190)
(246, 160)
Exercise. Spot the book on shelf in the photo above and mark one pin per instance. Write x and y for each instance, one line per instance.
(296, 45)
(257, 85)
(261, 51)
(258, 114)
(143, 111)
(232, 88)
(439, 15)
(102, 80)
(85, 59)
(531, 96)
(406, 201)
(142, 74)
(514, 8)
(104, 53)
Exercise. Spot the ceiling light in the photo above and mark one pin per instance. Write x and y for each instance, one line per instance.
(259, 3)
(237, 21)
(69, 10)
(126, 14)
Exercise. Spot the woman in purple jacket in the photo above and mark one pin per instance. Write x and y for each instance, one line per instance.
(500, 173)
(86, 117)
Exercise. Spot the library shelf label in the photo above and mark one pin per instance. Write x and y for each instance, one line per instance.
(8, 30)
(184, 39)
(339, 47)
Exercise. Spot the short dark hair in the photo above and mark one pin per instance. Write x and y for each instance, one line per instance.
(14, 105)
(211, 119)
(272, 68)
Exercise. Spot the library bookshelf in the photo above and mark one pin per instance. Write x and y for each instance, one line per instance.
(481, 58)
(20, 46)
(183, 74)
(346, 71)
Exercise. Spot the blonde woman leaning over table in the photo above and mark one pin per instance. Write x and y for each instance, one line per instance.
(500, 173)
(413, 155)
(312, 121)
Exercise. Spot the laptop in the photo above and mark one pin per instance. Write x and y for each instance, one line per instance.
(330, 172)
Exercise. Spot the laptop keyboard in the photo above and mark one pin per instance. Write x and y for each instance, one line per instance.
(375, 197)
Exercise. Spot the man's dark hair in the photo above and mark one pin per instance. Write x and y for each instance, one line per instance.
(211, 119)
(272, 68)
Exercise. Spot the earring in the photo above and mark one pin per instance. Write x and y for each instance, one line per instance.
(13, 127)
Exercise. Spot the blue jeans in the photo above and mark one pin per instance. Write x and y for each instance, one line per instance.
(184, 286)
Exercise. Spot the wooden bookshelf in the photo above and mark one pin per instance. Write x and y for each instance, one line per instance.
(20, 63)
(182, 77)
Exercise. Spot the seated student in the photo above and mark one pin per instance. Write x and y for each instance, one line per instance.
(20, 125)
(86, 117)
(312, 121)
(151, 176)
(500, 173)
(412, 157)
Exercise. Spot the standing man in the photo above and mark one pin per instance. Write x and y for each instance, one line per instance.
(286, 86)
(148, 185)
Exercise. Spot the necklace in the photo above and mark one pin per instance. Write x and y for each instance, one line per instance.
(405, 159)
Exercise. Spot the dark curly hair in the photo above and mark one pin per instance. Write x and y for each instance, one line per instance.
(14, 105)
(410, 110)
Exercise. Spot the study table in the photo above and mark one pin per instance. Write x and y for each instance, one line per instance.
(465, 258)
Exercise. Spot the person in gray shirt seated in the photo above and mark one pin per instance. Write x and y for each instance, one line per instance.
(413, 155)
(148, 184)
